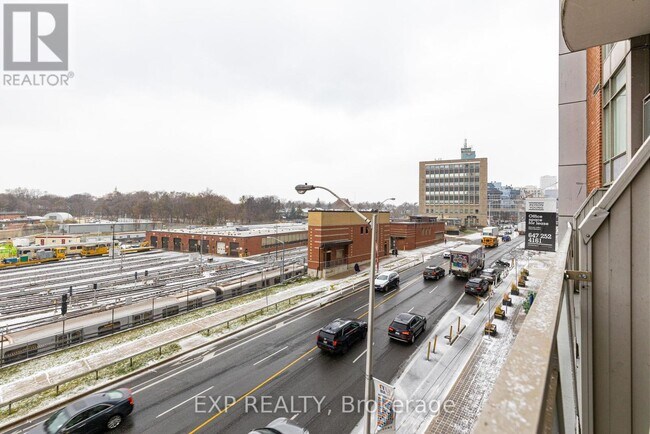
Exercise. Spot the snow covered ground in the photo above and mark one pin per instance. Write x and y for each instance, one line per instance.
(461, 376)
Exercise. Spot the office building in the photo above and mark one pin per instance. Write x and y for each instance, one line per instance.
(455, 189)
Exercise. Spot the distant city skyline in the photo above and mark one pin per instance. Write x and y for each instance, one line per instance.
(247, 99)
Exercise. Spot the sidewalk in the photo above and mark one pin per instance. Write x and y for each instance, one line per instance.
(475, 384)
(430, 382)
(464, 373)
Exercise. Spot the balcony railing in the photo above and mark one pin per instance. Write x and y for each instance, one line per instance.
(536, 388)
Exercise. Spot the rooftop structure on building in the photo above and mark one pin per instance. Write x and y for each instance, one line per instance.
(58, 216)
(243, 230)
(466, 152)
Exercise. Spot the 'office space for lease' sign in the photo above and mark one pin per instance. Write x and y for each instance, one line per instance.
(541, 223)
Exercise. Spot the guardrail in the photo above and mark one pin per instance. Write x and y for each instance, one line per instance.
(64, 339)
(159, 348)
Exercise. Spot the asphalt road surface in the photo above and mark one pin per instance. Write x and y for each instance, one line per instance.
(248, 380)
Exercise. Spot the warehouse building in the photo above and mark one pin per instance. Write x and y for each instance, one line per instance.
(237, 241)
(340, 239)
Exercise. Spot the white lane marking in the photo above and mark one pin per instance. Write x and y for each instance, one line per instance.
(270, 355)
(165, 376)
(189, 399)
(294, 416)
(315, 331)
(205, 359)
(360, 307)
(411, 309)
(360, 355)
(433, 289)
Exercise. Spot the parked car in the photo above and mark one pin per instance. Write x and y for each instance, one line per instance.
(281, 425)
(387, 280)
(500, 263)
(434, 273)
(477, 286)
(505, 238)
(95, 413)
(446, 255)
(492, 275)
(406, 326)
(508, 232)
(339, 335)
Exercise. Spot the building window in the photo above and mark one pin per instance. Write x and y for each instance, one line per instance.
(606, 50)
(614, 126)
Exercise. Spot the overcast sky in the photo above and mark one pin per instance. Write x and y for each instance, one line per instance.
(253, 97)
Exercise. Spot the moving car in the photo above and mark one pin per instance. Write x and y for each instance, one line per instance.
(500, 263)
(387, 280)
(492, 275)
(434, 273)
(446, 255)
(95, 413)
(339, 335)
(505, 238)
(477, 286)
(281, 425)
(406, 326)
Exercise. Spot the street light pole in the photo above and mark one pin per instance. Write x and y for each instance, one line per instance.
(301, 189)
(371, 314)
(276, 252)
(113, 243)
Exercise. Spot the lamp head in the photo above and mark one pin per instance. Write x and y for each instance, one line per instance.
(302, 188)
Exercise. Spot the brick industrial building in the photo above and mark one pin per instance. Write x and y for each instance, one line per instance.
(455, 189)
(419, 231)
(231, 240)
(340, 239)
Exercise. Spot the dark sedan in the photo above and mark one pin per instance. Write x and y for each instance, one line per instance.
(477, 286)
(95, 413)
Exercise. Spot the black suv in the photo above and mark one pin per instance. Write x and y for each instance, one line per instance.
(339, 335)
(98, 412)
(406, 326)
(434, 273)
(477, 286)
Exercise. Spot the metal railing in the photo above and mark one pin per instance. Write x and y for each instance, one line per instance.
(335, 263)
(159, 349)
(536, 388)
(64, 338)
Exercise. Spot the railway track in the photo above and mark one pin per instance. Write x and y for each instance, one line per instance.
(114, 290)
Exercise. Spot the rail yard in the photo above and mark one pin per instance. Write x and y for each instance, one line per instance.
(50, 306)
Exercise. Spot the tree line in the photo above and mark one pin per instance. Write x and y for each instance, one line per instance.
(204, 208)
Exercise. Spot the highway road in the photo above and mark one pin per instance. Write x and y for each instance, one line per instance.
(249, 379)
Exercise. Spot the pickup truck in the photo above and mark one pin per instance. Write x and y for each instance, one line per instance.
(492, 275)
